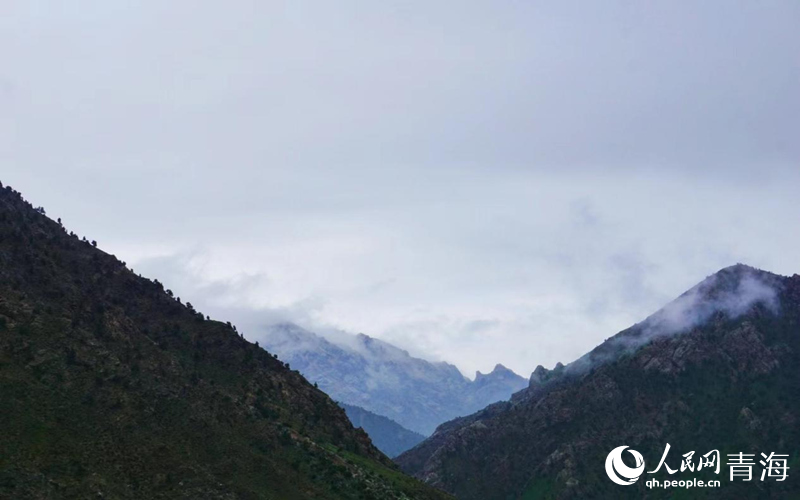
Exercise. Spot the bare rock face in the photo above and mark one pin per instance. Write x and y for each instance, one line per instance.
(541, 375)
(718, 368)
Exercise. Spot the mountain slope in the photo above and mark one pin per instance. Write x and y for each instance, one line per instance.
(387, 435)
(111, 388)
(379, 377)
(719, 368)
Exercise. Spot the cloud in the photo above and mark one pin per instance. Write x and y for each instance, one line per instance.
(732, 292)
(697, 305)
(230, 299)
(476, 182)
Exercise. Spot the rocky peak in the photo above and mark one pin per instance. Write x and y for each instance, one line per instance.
(418, 394)
(499, 371)
(541, 374)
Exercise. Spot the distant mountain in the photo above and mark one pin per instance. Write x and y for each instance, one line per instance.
(716, 369)
(112, 388)
(386, 434)
(375, 375)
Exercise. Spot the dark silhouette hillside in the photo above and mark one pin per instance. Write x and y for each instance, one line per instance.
(110, 387)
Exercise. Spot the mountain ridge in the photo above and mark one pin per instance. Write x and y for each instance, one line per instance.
(386, 380)
(112, 387)
(716, 368)
(386, 434)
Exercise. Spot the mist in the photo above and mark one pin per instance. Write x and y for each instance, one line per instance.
(732, 292)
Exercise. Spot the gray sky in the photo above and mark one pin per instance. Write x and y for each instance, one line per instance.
(478, 182)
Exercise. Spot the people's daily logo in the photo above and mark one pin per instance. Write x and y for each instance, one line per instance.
(741, 466)
(619, 472)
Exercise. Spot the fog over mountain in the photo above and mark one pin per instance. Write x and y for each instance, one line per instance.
(732, 292)
(366, 372)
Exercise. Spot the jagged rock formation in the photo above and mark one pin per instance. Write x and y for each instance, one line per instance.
(112, 388)
(718, 368)
(386, 380)
(386, 434)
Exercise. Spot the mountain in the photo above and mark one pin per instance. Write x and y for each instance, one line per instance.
(112, 388)
(387, 435)
(717, 369)
(377, 376)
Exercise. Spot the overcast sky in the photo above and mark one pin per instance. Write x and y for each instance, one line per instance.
(476, 182)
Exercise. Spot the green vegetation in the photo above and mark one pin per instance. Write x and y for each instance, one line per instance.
(109, 387)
